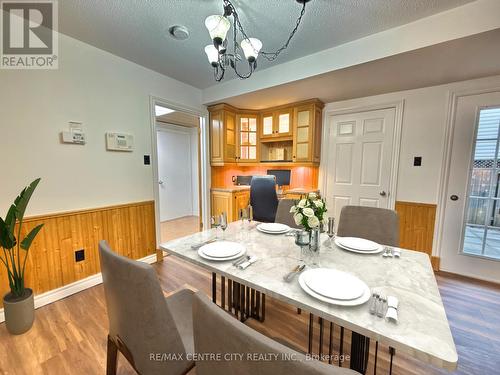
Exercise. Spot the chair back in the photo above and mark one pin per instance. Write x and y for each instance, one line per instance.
(215, 331)
(263, 198)
(376, 224)
(283, 215)
(139, 318)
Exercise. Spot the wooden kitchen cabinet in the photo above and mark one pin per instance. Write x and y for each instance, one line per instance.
(307, 133)
(229, 202)
(277, 123)
(223, 134)
(253, 137)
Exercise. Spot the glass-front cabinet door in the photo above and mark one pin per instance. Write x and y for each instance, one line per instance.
(284, 123)
(248, 139)
(267, 125)
(303, 134)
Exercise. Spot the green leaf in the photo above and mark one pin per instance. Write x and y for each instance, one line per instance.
(23, 199)
(10, 219)
(26, 242)
(7, 239)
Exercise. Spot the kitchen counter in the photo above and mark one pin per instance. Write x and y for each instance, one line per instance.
(231, 189)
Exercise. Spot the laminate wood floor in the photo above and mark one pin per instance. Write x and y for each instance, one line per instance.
(180, 227)
(69, 336)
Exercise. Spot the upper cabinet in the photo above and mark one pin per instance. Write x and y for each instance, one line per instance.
(307, 133)
(277, 124)
(285, 134)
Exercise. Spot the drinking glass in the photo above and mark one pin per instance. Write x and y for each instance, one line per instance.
(243, 215)
(302, 239)
(250, 214)
(331, 231)
(214, 223)
(223, 223)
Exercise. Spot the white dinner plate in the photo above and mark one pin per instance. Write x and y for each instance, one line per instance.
(353, 302)
(273, 228)
(357, 243)
(379, 250)
(334, 284)
(222, 250)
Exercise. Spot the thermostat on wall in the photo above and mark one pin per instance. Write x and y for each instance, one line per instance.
(119, 142)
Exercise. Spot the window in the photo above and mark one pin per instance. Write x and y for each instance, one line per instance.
(482, 221)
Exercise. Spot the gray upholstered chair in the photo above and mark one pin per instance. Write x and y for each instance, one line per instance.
(283, 214)
(376, 224)
(215, 331)
(263, 198)
(142, 322)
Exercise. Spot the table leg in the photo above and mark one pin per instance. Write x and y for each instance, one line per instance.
(214, 287)
(360, 348)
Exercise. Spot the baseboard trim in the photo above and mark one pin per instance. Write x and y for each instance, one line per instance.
(67, 290)
(435, 261)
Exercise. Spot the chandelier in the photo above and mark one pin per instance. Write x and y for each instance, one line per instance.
(220, 57)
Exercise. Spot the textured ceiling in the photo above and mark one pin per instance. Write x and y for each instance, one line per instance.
(137, 30)
(429, 66)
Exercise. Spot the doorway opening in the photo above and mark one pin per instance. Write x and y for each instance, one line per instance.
(178, 171)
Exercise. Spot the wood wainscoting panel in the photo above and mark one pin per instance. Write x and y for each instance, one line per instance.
(416, 226)
(129, 229)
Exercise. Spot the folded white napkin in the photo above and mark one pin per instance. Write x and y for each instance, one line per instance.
(392, 308)
(250, 261)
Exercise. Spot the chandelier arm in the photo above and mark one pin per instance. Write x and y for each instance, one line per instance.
(268, 55)
(235, 47)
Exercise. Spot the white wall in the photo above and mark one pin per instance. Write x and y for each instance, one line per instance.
(103, 91)
(424, 121)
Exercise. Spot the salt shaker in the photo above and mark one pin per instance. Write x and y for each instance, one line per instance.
(373, 303)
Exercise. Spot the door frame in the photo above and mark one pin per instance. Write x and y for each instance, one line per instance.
(449, 132)
(331, 109)
(203, 162)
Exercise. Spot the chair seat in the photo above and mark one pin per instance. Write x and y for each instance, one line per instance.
(181, 307)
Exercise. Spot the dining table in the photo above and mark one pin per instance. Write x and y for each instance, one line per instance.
(422, 330)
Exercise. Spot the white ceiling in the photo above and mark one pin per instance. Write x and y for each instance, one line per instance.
(457, 60)
(137, 30)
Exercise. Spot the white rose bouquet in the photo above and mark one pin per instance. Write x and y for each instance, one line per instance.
(309, 211)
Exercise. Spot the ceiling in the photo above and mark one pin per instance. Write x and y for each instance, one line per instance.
(457, 60)
(137, 30)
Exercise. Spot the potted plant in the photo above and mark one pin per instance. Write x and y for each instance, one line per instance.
(19, 307)
(309, 213)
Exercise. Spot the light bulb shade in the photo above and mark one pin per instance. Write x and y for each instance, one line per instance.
(212, 54)
(217, 26)
(251, 48)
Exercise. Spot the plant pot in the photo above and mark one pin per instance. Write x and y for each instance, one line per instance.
(19, 312)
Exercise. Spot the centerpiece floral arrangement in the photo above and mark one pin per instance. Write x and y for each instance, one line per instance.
(309, 211)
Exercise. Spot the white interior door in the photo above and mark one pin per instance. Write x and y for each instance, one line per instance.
(360, 159)
(470, 242)
(175, 172)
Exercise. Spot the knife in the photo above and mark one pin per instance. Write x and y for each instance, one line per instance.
(290, 275)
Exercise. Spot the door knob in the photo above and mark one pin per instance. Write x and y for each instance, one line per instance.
(383, 193)
(454, 197)
(160, 182)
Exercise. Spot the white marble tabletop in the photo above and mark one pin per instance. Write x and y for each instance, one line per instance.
(422, 330)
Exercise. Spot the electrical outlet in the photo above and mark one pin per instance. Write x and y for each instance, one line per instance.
(79, 255)
(147, 160)
(417, 161)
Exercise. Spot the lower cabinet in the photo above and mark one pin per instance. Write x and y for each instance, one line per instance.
(229, 202)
